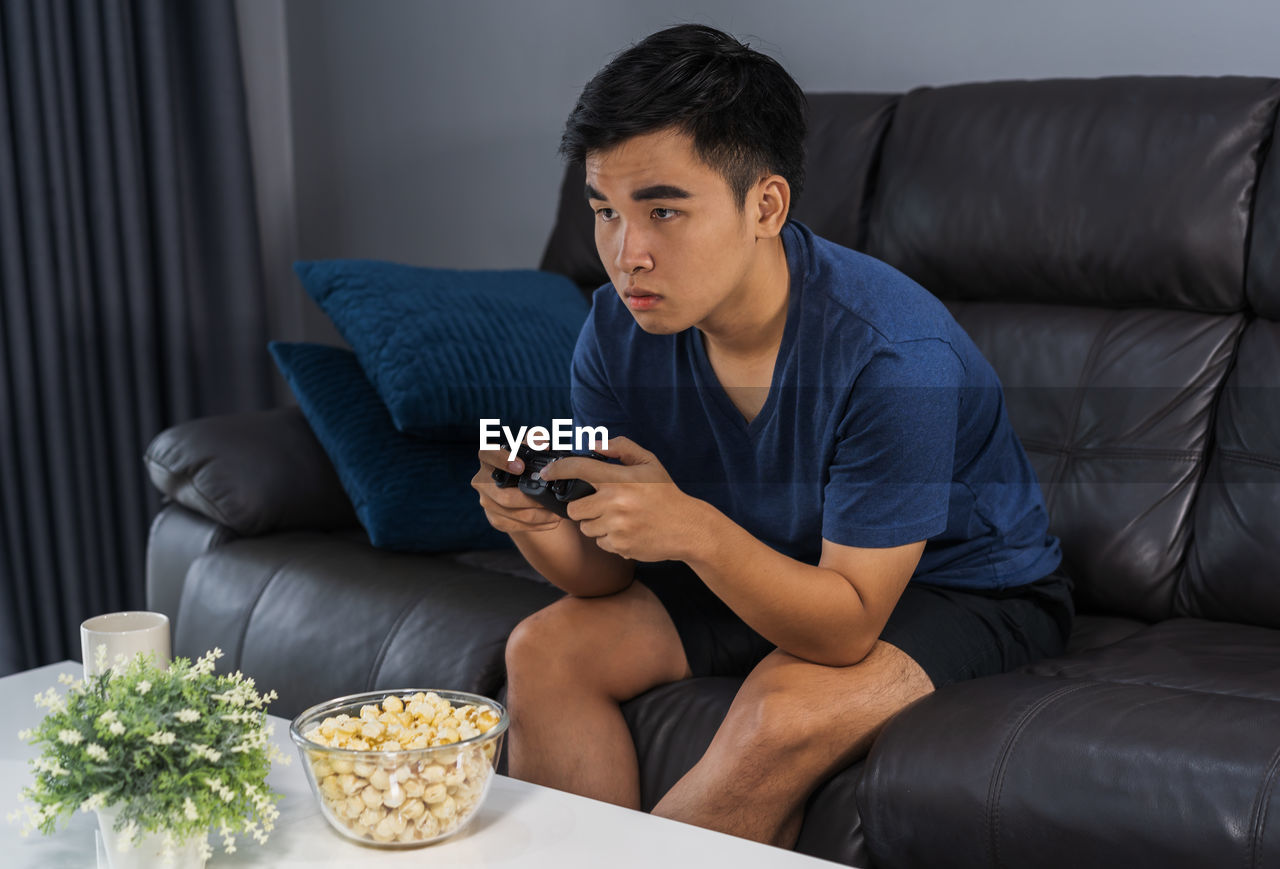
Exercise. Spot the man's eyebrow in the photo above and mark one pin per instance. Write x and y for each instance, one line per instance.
(660, 191)
(656, 191)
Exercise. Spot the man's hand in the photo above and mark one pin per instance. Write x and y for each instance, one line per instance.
(509, 509)
(637, 511)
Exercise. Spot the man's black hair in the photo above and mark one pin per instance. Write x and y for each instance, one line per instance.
(744, 112)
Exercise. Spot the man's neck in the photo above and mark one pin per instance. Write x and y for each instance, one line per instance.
(751, 322)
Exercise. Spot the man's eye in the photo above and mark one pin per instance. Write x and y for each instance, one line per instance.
(605, 214)
(664, 213)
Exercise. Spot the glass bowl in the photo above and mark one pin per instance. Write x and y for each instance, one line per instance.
(405, 797)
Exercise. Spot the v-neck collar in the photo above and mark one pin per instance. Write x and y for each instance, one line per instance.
(710, 384)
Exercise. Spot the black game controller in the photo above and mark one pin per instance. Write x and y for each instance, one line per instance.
(555, 495)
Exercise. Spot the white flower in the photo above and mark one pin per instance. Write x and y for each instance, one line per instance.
(144, 686)
(205, 751)
(116, 728)
(51, 700)
(161, 737)
(50, 765)
(107, 717)
(95, 751)
(24, 735)
(220, 789)
(204, 664)
(187, 716)
(28, 816)
(127, 836)
(70, 737)
(189, 809)
(96, 801)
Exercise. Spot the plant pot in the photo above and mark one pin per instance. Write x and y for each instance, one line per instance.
(147, 851)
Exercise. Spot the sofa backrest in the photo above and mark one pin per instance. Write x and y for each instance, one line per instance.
(1113, 246)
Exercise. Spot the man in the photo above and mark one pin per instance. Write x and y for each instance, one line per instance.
(817, 486)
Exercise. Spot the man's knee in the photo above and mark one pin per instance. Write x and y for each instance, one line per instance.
(543, 641)
(770, 717)
(620, 645)
(787, 710)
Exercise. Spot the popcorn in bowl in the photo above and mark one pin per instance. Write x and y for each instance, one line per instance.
(400, 768)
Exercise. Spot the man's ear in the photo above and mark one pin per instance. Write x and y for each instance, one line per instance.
(772, 200)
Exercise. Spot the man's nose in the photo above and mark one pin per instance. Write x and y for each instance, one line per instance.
(633, 251)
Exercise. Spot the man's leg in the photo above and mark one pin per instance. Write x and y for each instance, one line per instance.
(792, 724)
(569, 667)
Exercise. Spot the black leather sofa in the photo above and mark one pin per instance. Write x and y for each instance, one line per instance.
(1113, 246)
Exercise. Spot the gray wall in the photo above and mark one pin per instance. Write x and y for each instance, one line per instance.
(425, 132)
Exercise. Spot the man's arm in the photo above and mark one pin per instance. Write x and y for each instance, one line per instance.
(831, 613)
(572, 562)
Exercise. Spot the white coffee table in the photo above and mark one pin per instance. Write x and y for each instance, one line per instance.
(520, 824)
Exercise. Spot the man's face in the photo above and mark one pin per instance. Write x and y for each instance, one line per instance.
(669, 231)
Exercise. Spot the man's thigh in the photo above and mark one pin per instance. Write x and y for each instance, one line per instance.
(952, 635)
(958, 635)
(715, 640)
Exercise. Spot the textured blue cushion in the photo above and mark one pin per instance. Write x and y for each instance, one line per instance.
(410, 493)
(445, 348)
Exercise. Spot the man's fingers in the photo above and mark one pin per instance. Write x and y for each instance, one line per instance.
(498, 459)
(625, 450)
(509, 526)
(512, 502)
(593, 471)
(586, 508)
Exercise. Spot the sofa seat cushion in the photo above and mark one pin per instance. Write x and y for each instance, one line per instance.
(1189, 654)
(316, 616)
(1016, 770)
(1095, 631)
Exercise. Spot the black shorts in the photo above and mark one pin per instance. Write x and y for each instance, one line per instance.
(953, 635)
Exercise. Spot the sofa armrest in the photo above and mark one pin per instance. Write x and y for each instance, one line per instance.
(178, 537)
(251, 472)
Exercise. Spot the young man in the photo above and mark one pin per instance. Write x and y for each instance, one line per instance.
(818, 488)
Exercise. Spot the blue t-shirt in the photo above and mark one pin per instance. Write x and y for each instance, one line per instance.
(884, 424)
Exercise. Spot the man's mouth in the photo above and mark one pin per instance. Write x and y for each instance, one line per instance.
(641, 300)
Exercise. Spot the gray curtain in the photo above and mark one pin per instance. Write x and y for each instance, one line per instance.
(131, 290)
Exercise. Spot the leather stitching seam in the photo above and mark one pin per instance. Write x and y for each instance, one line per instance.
(1260, 806)
(1117, 453)
(1103, 680)
(386, 644)
(1250, 459)
(257, 598)
(1077, 402)
(992, 822)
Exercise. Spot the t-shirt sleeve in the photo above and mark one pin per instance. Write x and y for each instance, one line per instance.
(592, 396)
(890, 477)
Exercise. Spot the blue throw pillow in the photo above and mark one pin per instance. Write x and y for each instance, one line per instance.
(410, 494)
(446, 348)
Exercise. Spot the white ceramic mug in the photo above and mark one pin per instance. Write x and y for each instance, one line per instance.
(127, 634)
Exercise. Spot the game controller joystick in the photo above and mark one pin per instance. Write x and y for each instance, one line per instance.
(555, 495)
